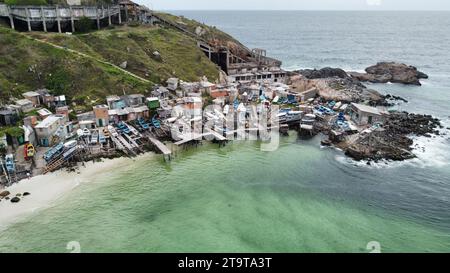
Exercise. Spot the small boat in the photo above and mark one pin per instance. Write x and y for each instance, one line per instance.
(132, 129)
(53, 152)
(86, 132)
(235, 104)
(70, 144)
(106, 133)
(282, 117)
(293, 116)
(112, 131)
(226, 109)
(68, 154)
(123, 128)
(292, 99)
(30, 151)
(337, 106)
(10, 164)
(156, 123)
(143, 124)
(80, 133)
(101, 137)
(94, 137)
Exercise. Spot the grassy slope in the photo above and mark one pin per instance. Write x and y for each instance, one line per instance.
(209, 33)
(27, 65)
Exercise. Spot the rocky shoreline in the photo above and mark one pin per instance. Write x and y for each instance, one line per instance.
(390, 141)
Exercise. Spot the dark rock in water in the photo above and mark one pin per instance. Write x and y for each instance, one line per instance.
(6, 198)
(390, 72)
(395, 98)
(326, 72)
(15, 200)
(26, 193)
(4, 193)
(19, 195)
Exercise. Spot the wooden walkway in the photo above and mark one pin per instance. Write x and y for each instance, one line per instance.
(217, 135)
(161, 147)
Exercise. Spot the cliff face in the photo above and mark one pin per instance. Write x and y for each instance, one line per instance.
(42, 60)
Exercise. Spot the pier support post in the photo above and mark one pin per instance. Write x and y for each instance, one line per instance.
(58, 19)
(72, 23)
(109, 16)
(126, 14)
(120, 16)
(28, 19)
(44, 23)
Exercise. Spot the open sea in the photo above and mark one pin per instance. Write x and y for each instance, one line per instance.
(300, 198)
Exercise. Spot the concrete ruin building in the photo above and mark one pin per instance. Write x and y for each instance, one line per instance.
(253, 65)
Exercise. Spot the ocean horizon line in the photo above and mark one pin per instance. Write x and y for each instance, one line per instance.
(306, 10)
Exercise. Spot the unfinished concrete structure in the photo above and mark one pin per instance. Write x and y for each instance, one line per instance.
(252, 66)
(45, 17)
(48, 16)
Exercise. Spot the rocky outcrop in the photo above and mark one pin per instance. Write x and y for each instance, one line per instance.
(336, 89)
(392, 141)
(385, 72)
(323, 73)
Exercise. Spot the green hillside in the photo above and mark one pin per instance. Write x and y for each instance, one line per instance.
(27, 64)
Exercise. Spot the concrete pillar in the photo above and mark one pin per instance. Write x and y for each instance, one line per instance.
(72, 23)
(58, 19)
(120, 16)
(11, 19)
(28, 19)
(98, 19)
(228, 58)
(109, 15)
(44, 23)
(126, 13)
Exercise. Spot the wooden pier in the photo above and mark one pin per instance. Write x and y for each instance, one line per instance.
(161, 147)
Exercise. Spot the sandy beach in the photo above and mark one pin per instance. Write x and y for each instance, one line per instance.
(46, 189)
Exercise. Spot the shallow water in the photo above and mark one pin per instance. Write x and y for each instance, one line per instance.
(238, 198)
(301, 197)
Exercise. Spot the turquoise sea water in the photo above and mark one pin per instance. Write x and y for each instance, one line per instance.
(300, 198)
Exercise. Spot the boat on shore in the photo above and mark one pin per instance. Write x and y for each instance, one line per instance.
(29, 151)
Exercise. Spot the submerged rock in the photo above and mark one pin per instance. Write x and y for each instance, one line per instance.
(26, 193)
(15, 200)
(384, 72)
